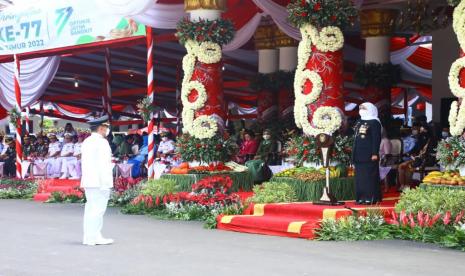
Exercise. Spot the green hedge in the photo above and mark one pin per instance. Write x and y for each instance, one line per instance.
(343, 188)
(241, 180)
(424, 186)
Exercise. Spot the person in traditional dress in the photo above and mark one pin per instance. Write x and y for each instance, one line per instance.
(365, 155)
(66, 155)
(97, 181)
(8, 156)
(248, 148)
(53, 162)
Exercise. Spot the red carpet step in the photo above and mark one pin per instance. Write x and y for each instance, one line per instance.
(298, 220)
(47, 186)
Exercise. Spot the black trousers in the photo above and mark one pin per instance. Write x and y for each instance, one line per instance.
(9, 168)
(367, 182)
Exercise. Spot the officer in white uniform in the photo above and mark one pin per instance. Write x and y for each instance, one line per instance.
(66, 155)
(97, 180)
(53, 162)
(74, 165)
(166, 147)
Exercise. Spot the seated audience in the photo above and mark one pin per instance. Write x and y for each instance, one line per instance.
(248, 147)
(8, 156)
(268, 146)
(166, 147)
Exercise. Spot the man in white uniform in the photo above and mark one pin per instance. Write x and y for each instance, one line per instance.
(74, 165)
(53, 162)
(166, 147)
(97, 180)
(66, 155)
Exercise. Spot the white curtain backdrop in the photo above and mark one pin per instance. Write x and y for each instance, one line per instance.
(244, 34)
(161, 16)
(35, 76)
(279, 14)
(125, 8)
(400, 57)
(72, 115)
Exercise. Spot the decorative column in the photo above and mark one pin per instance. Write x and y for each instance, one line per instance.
(268, 64)
(457, 75)
(150, 92)
(202, 86)
(377, 26)
(318, 83)
(108, 84)
(287, 64)
(19, 148)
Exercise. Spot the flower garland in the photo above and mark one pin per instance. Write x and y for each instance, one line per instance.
(456, 113)
(322, 13)
(218, 31)
(326, 119)
(209, 52)
(204, 126)
(187, 88)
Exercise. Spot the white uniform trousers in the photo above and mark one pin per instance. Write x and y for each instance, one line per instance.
(96, 205)
(70, 168)
(53, 167)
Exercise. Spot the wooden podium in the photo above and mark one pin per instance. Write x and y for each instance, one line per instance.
(325, 143)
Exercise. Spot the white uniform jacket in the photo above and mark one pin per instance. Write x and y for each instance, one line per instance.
(97, 169)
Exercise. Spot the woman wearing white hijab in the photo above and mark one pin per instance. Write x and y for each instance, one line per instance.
(365, 155)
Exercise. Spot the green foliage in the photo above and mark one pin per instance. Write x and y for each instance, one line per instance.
(15, 116)
(451, 152)
(432, 200)
(322, 13)
(211, 218)
(17, 189)
(121, 199)
(145, 108)
(159, 187)
(273, 192)
(304, 149)
(353, 228)
(453, 2)
(272, 82)
(373, 227)
(381, 76)
(220, 31)
(205, 150)
(60, 197)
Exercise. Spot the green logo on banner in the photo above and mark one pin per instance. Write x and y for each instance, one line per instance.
(63, 16)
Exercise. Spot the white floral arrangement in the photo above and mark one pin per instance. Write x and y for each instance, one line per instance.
(326, 119)
(209, 52)
(187, 88)
(204, 126)
(457, 113)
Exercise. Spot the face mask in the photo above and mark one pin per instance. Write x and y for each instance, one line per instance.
(445, 134)
(107, 132)
(266, 137)
(164, 139)
(363, 113)
(414, 132)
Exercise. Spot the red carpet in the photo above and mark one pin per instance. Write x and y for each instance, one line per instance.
(297, 220)
(48, 186)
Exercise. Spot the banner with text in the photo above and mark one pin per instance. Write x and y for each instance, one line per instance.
(54, 24)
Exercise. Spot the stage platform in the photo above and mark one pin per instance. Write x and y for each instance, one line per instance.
(47, 186)
(298, 220)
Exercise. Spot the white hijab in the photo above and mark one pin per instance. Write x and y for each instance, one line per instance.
(371, 112)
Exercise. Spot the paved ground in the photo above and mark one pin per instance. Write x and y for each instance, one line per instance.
(44, 239)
